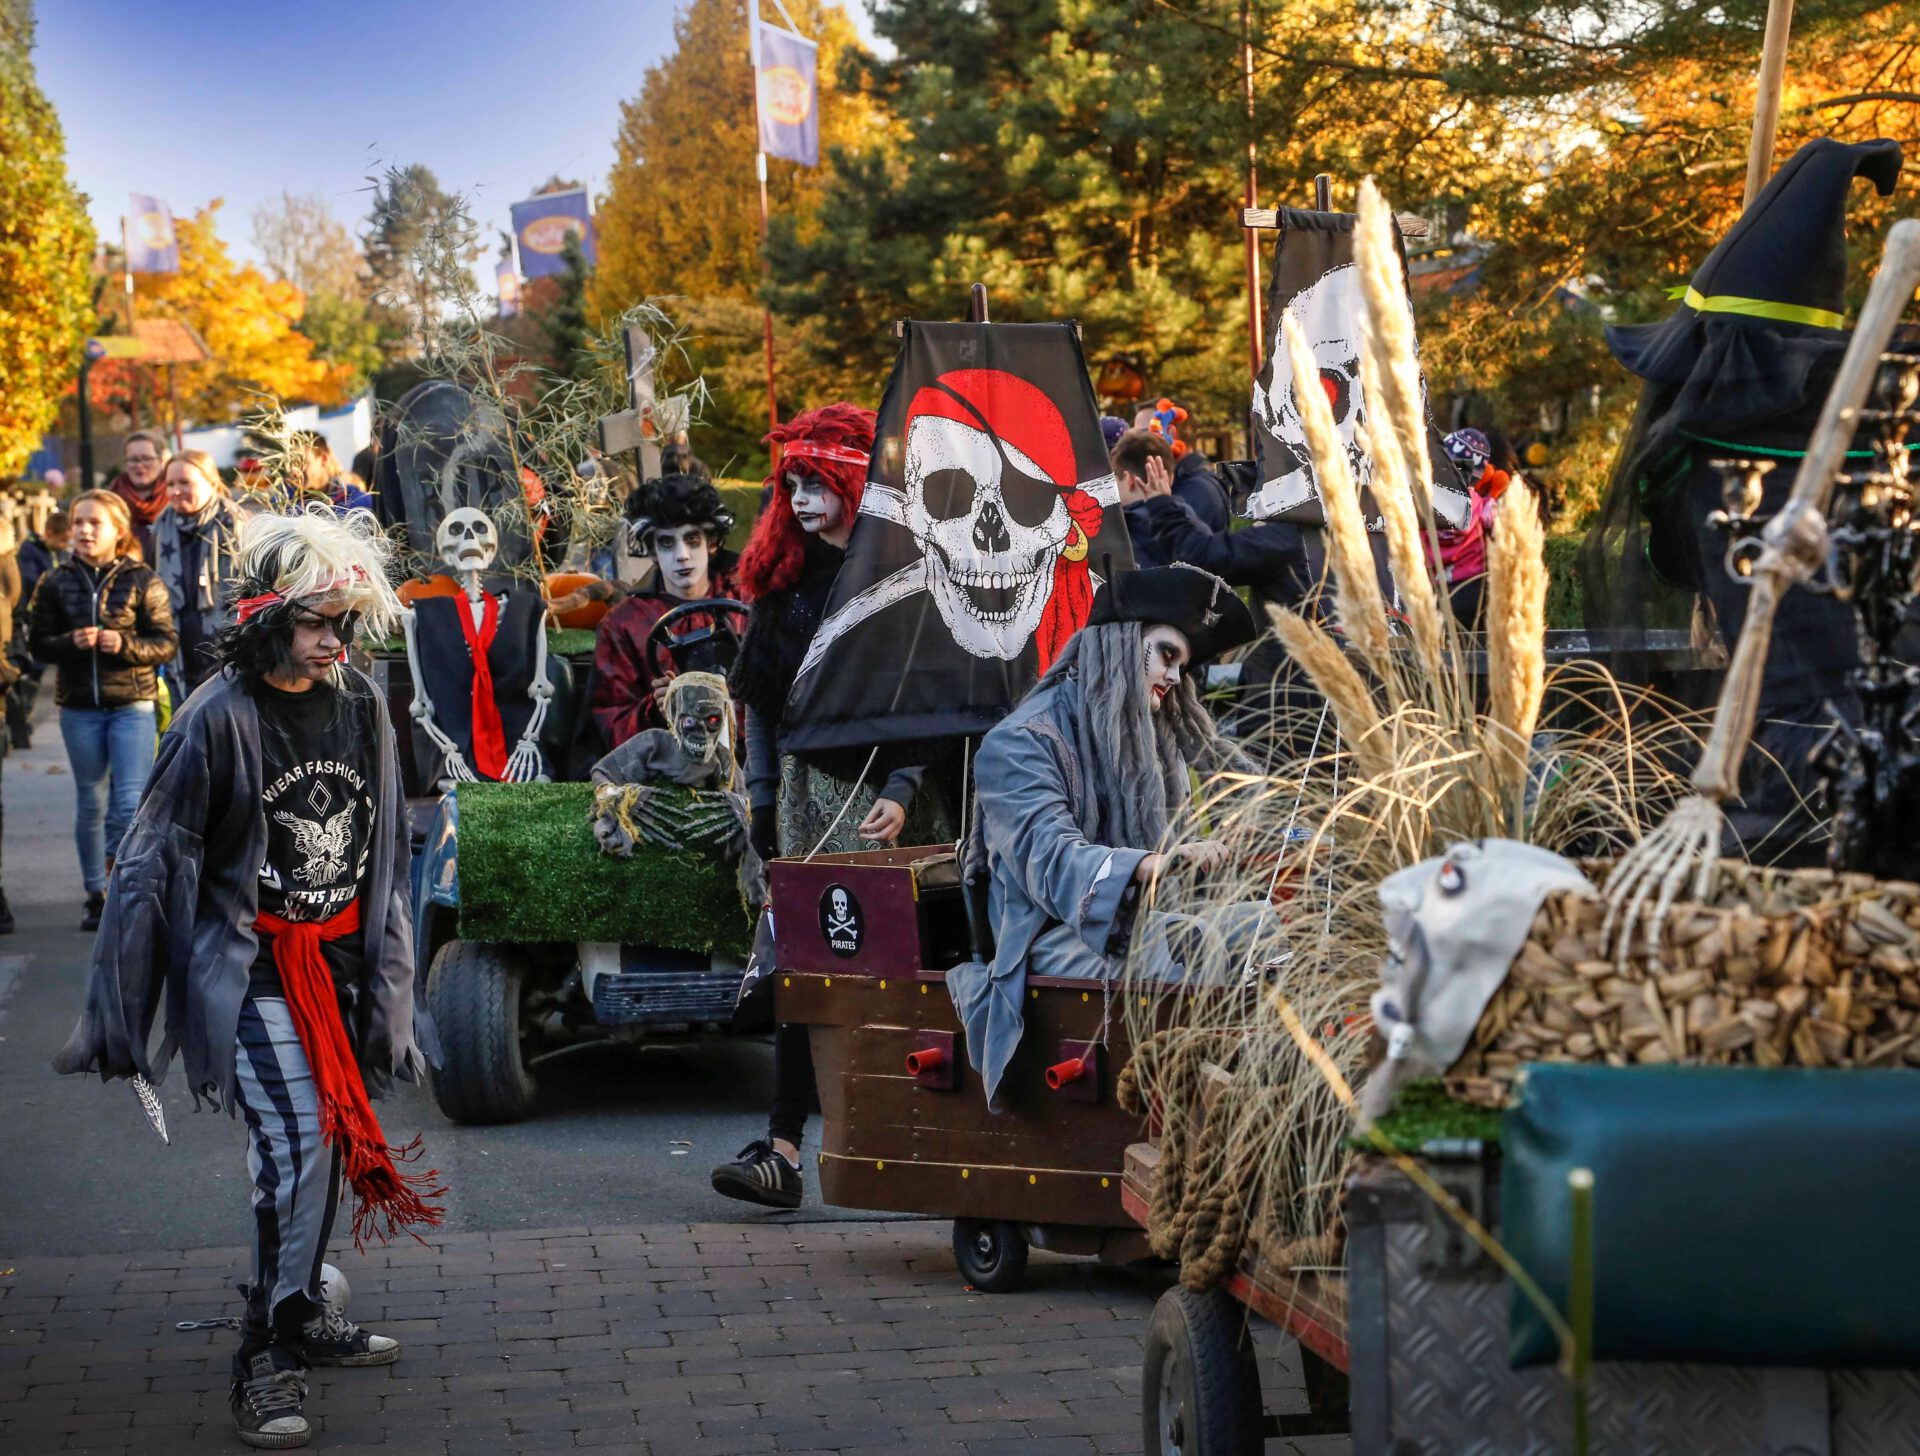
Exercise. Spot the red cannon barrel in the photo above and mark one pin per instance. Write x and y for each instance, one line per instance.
(927, 1059)
(1061, 1073)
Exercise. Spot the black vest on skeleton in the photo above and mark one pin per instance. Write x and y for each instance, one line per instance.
(446, 667)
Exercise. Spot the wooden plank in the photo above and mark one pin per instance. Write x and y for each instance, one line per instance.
(1412, 225)
(1310, 1307)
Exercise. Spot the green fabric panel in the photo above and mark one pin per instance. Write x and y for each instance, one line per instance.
(1742, 1215)
(1422, 1112)
(530, 871)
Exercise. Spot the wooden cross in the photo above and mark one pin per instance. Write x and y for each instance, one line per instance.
(633, 431)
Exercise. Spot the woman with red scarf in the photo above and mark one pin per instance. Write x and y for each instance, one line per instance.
(261, 895)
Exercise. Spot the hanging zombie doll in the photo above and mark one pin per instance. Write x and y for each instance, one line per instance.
(638, 787)
(479, 662)
(990, 513)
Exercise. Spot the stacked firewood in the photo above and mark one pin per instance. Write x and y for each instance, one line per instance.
(1787, 968)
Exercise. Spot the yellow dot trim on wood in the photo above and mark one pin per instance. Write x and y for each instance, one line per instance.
(966, 1172)
(1106, 1183)
(1033, 995)
(826, 980)
(883, 985)
(923, 990)
(786, 980)
(1085, 995)
(879, 1167)
(1032, 1179)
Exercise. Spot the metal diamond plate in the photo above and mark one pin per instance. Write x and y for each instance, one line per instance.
(1451, 1393)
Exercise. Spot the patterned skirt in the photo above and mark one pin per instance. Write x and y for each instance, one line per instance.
(811, 800)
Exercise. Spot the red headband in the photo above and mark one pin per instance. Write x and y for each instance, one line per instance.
(814, 450)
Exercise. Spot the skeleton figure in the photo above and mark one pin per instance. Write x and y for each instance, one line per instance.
(679, 788)
(1327, 313)
(840, 914)
(468, 544)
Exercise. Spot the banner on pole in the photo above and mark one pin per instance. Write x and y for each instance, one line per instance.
(1315, 281)
(990, 517)
(789, 96)
(542, 224)
(151, 244)
(507, 288)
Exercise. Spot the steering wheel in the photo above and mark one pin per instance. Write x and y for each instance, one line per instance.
(720, 636)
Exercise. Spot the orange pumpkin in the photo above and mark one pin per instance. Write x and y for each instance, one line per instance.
(561, 583)
(440, 585)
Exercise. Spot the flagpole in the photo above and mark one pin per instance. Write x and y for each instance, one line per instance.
(133, 367)
(760, 170)
(1256, 340)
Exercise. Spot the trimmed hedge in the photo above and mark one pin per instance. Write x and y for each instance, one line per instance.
(530, 871)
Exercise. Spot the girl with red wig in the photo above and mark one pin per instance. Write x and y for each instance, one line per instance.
(834, 802)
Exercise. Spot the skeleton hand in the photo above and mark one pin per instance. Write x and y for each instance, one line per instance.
(884, 823)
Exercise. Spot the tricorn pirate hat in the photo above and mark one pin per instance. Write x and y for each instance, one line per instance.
(1203, 607)
(1782, 270)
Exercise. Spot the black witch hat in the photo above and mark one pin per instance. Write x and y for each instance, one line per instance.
(1200, 604)
(1768, 303)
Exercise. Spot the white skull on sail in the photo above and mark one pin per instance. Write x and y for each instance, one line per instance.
(1328, 314)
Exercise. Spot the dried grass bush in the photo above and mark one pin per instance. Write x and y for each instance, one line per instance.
(1401, 760)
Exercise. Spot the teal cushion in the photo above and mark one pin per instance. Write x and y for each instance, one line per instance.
(1742, 1215)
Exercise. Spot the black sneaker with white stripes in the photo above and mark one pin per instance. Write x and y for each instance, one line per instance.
(267, 1402)
(759, 1175)
(333, 1339)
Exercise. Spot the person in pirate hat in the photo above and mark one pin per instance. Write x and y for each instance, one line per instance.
(1738, 372)
(1084, 795)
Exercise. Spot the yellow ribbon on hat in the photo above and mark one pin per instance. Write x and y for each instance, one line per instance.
(1785, 313)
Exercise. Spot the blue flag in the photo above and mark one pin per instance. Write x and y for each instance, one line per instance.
(151, 245)
(542, 224)
(789, 96)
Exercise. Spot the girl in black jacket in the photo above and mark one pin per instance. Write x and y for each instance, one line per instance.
(104, 623)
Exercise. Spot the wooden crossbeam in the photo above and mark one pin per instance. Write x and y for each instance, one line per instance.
(1411, 225)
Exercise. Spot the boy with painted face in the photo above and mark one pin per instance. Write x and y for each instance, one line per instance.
(681, 522)
(1085, 797)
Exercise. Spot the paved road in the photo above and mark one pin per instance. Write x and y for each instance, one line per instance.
(84, 1174)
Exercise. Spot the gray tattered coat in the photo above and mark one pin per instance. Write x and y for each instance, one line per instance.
(183, 896)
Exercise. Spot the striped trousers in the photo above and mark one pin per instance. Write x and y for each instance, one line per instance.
(296, 1177)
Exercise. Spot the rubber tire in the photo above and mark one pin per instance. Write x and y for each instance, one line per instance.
(474, 993)
(1002, 1267)
(1200, 1341)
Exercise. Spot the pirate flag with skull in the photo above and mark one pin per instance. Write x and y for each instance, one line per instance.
(989, 516)
(1315, 280)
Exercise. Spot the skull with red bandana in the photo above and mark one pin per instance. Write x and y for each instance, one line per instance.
(993, 498)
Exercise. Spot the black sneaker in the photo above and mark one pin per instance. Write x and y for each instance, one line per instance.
(266, 1404)
(333, 1339)
(759, 1175)
(96, 907)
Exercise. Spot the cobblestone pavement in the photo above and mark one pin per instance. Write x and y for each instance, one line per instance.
(703, 1339)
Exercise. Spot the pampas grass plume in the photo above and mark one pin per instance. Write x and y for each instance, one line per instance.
(1516, 621)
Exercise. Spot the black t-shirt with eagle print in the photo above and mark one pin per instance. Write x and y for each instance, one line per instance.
(317, 751)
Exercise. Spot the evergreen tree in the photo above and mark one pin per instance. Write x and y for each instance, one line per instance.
(45, 244)
(564, 322)
(413, 227)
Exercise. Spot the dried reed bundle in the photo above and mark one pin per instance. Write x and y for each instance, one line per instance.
(1386, 327)
(1516, 628)
(1357, 600)
(1322, 659)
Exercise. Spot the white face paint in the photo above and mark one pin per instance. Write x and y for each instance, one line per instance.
(684, 561)
(1167, 651)
(815, 506)
(990, 534)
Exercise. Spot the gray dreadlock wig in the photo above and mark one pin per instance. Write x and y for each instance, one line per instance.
(1135, 760)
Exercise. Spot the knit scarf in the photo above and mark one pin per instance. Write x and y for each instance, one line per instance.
(144, 508)
(489, 733)
(347, 1121)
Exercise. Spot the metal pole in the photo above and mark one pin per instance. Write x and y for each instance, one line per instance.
(1323, 192)
(1580, 1301)
(1766, 100)
(86, 423)
(133, 367)
(1256, 329)
(766, 267)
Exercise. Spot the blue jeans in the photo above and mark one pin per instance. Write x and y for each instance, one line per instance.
(111, 750)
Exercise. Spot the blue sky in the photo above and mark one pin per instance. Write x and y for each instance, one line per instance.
(195, 99)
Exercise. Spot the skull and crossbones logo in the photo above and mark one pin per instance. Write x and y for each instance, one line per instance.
(1326, 313)
(467, 540)
(840, 920)
(990, 492)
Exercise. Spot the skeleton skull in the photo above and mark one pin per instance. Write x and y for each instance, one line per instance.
(467, 540)
(1327, 313)
(700, 711)
(991, 523)
(841, 905)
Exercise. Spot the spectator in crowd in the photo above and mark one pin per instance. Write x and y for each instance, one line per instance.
(324, 476)
(141, 484)
(38, 554)
(102, 621)
(1193, 478)
(194, 554)
(1463, 553)
(1202, 495)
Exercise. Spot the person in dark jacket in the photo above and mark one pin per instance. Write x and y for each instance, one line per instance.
(193, 550)
(39, 553)
(1204, 497)
(262, 897)
(103, 623)
(680, 522)
(140, 484)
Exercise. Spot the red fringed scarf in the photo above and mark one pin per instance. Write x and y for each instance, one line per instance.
(489, 734)
(347, 1120)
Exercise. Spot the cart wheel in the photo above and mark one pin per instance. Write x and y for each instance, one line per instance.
(1200, 1387)
(473, 992)
(991, 1253)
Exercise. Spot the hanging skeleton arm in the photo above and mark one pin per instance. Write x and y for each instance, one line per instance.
(1793, 547)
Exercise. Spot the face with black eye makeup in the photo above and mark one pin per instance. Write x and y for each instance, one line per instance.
(1167, 652)
(818, 509)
